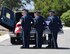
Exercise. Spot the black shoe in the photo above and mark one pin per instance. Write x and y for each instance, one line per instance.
(22, 47)
(48, 47)
(55, 47)
(34, 47)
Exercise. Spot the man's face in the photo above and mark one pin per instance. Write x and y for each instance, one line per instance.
(36, 14)
(51, 13)
(24, 13)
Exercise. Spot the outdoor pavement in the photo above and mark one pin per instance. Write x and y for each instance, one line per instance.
(63, 42)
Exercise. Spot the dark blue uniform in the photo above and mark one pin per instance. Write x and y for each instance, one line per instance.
(26, 25)
(39, 28)
(54, 26)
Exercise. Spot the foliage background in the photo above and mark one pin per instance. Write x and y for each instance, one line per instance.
(59, 6)
(11, 4)
(66, 18)
(62, 8)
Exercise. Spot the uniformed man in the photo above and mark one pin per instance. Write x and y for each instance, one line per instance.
(54, 26)
(39, 28)
(27, 22)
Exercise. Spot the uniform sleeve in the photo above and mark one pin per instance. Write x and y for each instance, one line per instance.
(60, 23)
(50, 21)
(21, 19)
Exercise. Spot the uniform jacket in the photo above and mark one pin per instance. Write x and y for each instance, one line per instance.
(27, 22)
(39, 25)
(55, 23)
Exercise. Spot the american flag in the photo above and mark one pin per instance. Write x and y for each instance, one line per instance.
(18, 27)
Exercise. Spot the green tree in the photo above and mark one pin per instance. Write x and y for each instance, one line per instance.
(10, 3)
(66, 18)
(57, 5)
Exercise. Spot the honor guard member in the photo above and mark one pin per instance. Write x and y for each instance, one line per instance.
(39, 25)
(54, 25)
(27, 22)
